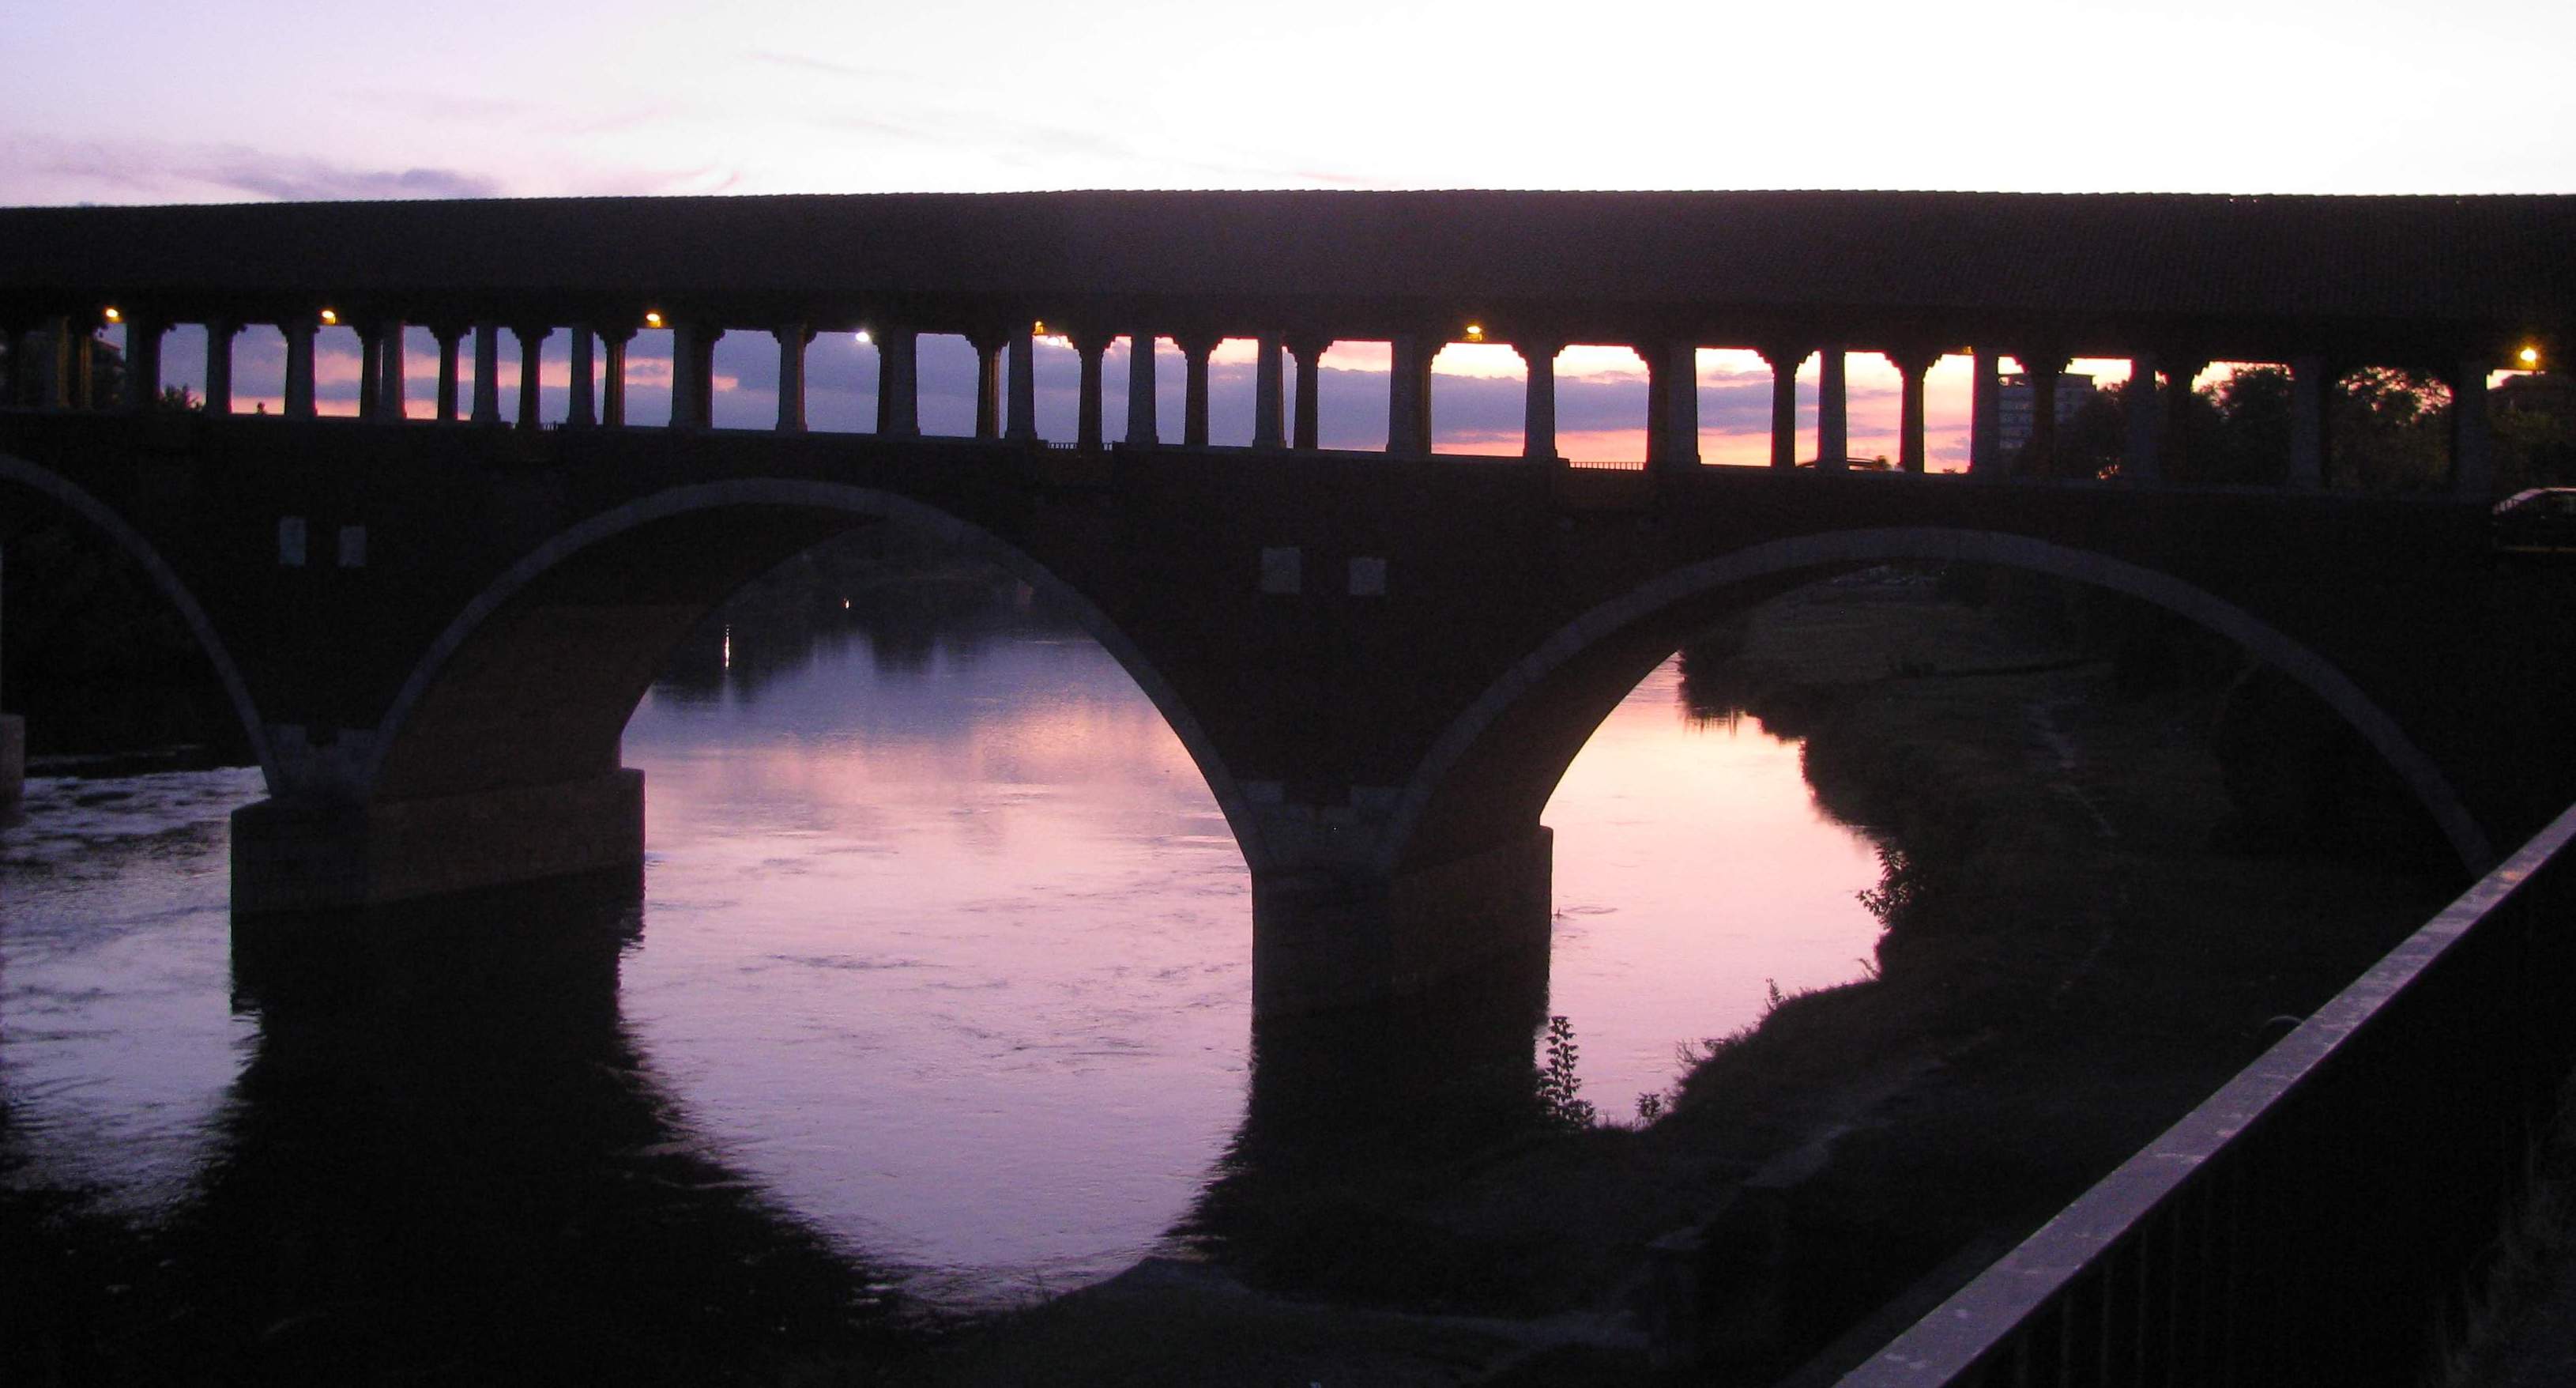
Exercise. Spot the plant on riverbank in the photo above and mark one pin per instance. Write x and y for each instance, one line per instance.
(1557, 1082)
(1901, 888)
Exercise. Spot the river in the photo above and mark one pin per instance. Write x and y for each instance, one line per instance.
(943, 959)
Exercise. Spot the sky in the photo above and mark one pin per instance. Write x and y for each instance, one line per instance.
(252, 100)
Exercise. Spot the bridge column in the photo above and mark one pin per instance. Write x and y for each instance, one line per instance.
(2472, 464)
(580, 411)
(1090, 347)
(1672, 395)
(898, 383)
(1325, 937)
(1269, 379)
(1986, 414)
(1309, 352)
(2139, 461)
(532, 341)
(1833, 424)
(2179, 374)
(1195, 351)
(219, 364)
(2308, 379)
(1023, 422)
(299, 330)
(292, 856)
(612, 374)
(2041, 367)
(792, 338)
(1538, 409)
(487, 373)
(1408, 401)
(143, 360)
(371, 366)
(1912, 365)
(693, 374)
(391, 405)
(448, 336)
(1140, 391)
(1784, 362)
(988, 383)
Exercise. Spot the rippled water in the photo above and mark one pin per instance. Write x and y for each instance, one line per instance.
(945, 950)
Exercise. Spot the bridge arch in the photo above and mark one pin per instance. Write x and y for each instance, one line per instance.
(71, 497)
(531, 621)
(1519, 736)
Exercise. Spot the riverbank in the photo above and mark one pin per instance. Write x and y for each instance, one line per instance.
(2070, 965)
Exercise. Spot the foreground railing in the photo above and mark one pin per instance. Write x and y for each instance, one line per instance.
(2323, 1218)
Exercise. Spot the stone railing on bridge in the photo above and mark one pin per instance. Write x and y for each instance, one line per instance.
(2322, 285)
(2325, 1216)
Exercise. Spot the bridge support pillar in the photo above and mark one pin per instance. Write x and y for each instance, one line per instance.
(300, 331)
(1911, 366)
(289, 857)
(1141, 429)
(1833, 421)
(1538, 410)
(989, 347)
(2308, 423)
(1268, 379)
(143, 360)
(443, 409)
(1195, 352)
(898, 383)
(1784, 363)
(1086, 426)
(1985, 413)
(792, 338)
(1022, 424)
(1325, 940)
(2141, 459)
(219, 364)
(2472, 464)
(612, 375)
(1310, 360)
(391, 406)
(2175, 439)
(532, 343)
(579, 409)
(487, 373)
(1408, 405)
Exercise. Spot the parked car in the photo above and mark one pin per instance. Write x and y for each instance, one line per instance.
(2539, 521)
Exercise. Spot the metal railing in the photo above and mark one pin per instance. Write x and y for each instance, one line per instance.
(2326, 1216)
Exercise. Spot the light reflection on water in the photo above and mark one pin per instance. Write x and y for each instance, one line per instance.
(946, 945)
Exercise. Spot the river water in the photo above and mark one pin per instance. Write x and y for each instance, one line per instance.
(943, 960)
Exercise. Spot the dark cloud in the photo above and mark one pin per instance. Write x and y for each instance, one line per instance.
(313, 180)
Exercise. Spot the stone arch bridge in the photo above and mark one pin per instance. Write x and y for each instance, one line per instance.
(1381, 662)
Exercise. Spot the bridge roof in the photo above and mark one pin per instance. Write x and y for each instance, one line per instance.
(2222, 274)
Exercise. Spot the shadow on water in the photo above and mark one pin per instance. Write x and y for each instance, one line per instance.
(447, 1162)
(1352, 1111)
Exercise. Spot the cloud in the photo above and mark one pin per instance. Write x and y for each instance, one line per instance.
(314, 180)
(69, 170)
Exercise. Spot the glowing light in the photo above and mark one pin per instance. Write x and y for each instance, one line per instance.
(115, 317)
(860, 337)
(329, 317)
(1475, 332)
(2530, 355)
(652, 319)
(1038, 328)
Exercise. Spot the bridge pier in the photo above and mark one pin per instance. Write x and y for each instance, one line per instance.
(1326, 941)
(290, 857)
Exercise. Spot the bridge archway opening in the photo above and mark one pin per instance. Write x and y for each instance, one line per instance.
(745, 367)
(840, 383)
(1232, 368)
(1351, 395)
(592, 617)
(125, 653)
(1479, 399)
(259, 370)
(1490, 775)
(947, 365)
(338, 367)
(1733, 386)
(1601, 398)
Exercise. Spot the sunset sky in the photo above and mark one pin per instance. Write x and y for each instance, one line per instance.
(269, 99)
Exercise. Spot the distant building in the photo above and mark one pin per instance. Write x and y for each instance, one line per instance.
(2013, 402)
